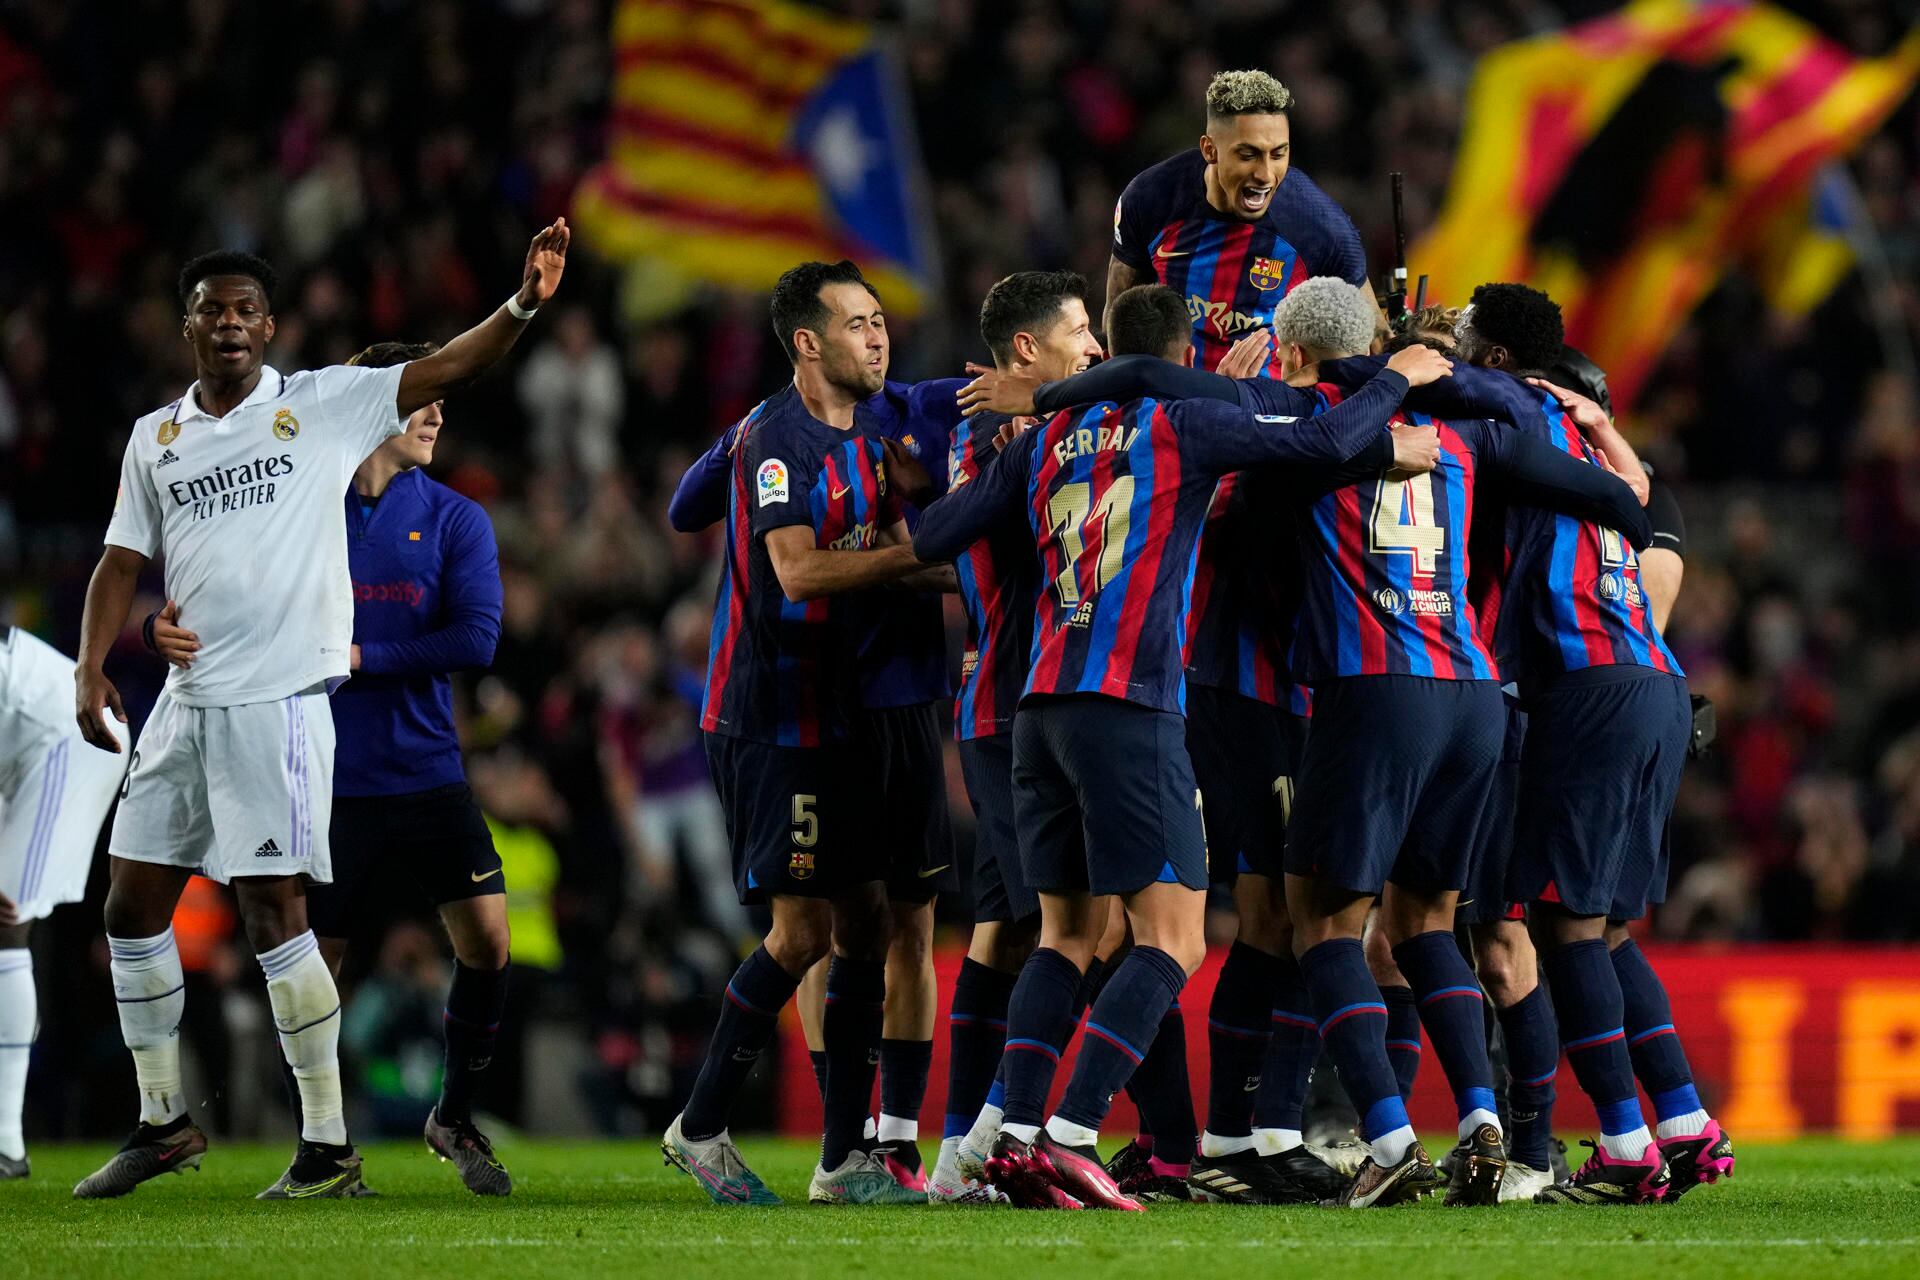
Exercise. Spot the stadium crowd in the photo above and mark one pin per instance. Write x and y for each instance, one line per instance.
(388, 185)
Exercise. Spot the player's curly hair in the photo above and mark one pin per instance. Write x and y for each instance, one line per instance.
(1326, 314)
(228, 262)
(1246, 93)
(1523, 320)
(384, 355)
(1026, 302)
(1149, 320)
(796, 298)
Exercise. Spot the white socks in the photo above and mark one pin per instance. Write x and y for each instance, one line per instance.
(1477, 1117)
(1025, 1132)
(1069, 1134)
(1685, 1126)
(1627, 1146)
(149, 991)
(18, 1010)
(1271, 1142)
(1212, 1146)
(985, 1126)
(1390, 1148)
(306, 1012)
(895, 1129)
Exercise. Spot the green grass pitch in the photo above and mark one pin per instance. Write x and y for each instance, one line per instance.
(1812, 1210)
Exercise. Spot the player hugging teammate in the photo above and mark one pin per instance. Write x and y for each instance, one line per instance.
(1272, 627)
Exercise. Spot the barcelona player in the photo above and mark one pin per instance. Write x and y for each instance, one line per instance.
(1609, 722)
(1033, 322)
(1114, 497)
(811, 517)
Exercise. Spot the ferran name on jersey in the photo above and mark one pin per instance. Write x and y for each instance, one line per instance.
(1084, 440)
(772, 481)
(285, 425)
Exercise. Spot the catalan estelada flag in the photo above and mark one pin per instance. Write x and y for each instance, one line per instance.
(749, 135)
(1623, 163)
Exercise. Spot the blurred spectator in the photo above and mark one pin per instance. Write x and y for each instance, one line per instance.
(573, 395)
(390, 1032)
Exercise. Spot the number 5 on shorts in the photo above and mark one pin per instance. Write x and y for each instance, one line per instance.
(806, 823)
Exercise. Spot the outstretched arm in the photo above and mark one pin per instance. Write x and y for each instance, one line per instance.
(453, 366)
(969, 512)
(807, 571)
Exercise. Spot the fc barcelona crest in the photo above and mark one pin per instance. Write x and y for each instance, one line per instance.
(1266, 273)
(800, 865)
(285, 425)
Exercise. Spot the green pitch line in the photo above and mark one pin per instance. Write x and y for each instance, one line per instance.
(1814, 1210)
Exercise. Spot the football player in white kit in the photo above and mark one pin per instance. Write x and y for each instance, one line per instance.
(54, 794)
(237, 486)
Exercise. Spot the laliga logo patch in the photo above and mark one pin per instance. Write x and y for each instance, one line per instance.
(285, 425)
(1265, 274)
(800, 865)
(169, 432)
(772, 481)
(1390, 600)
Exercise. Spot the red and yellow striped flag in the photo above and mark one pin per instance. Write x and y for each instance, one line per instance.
(749, 135)
(1622, 164)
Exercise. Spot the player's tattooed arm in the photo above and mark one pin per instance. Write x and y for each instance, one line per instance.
(109, 598)
(453, 366)
(807, 571)
(1120, 278)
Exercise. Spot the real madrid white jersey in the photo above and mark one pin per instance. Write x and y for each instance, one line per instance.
(248, 513)
(36, 702)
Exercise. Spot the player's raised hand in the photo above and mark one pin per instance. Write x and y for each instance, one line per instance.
(93, 693)
(1420, 365)
(1010, 430)
(1416, 446)
(992, 390)
(546, 261)
(171, 640)
(1586, 414)
(1248, 356)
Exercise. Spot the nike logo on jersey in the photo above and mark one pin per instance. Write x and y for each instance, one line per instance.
(936, 871)
(477, 877)
(1170, 253)
(841, 492)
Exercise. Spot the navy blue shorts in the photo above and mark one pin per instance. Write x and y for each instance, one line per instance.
(1000, 888)
(1605, 749)
(1485, 900)
(908, 768)
(1394, 781)
(437, 839)
(1244, 756)
(1104, 796)
(799, 819)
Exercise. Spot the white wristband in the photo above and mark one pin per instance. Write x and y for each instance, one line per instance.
(519, 312)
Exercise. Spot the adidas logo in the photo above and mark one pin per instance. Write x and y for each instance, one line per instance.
(268, 850)
(167, 457)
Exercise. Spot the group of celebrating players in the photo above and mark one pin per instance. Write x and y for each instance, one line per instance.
(1365, 636)
(1371, 638)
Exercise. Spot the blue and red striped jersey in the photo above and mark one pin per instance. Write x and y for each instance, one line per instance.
(1389, 556)
(1232, 272)
(1246, 592)
(998, 575)
(1572, 597)
(1114, 497)
(782, 671)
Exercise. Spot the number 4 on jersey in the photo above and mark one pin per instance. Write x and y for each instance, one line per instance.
(1402, 522)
